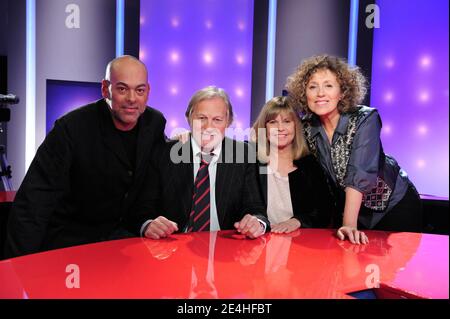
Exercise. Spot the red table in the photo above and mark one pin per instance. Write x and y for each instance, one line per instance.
(7, 197)
(309, 263)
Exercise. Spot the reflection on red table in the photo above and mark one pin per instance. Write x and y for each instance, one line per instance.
(309, 263)
(7, 197)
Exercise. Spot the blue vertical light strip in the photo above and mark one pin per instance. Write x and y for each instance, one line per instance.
(30, 106)
(353, 32)
(271, 35)
(120, 27)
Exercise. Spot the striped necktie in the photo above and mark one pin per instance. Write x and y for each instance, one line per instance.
(199, 218)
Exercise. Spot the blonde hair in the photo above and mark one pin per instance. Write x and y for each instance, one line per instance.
(271, 110)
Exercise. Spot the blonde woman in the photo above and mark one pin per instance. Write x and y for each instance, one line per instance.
(292, 182)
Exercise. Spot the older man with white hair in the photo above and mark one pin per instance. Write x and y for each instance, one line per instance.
(210, 182)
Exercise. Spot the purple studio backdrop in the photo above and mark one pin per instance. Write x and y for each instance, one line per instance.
(188, 45)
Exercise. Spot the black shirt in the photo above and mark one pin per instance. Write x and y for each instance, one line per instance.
(129, 141)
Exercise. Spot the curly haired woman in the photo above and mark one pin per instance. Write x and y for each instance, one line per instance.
(370, 188)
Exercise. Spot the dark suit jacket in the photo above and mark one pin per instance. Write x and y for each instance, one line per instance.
(81, 186)
(237, 192)
(312, 202)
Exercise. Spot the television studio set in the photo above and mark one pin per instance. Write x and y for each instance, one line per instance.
(214, 155)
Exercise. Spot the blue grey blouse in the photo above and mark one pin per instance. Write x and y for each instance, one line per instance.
(365, 162)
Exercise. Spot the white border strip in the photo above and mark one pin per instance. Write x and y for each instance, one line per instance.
(271, 36)
(353, 32)
(30, 113)
(120, 27)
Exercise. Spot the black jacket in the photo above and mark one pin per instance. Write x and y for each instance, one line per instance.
(312, 202)
(236, 191)
(81, 186)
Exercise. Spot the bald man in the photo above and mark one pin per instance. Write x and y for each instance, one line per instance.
(83, 184)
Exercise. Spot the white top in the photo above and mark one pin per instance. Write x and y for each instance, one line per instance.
(279, 204)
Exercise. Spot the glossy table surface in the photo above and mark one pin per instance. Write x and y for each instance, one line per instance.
(7, 197)
(308, 263)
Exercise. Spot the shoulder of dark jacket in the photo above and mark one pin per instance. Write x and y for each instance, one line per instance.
(307, 163)
(308, 159)
(364, 112)
(152, 113)
(81, 112)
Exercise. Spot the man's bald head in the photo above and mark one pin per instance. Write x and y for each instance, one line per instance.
(122, 61)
